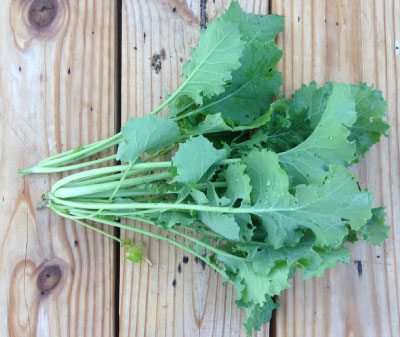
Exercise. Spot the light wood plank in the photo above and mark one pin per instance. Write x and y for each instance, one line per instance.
(56, 92)
(149, 304)
(356, 42)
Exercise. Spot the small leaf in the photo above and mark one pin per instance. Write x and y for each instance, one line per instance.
(238, 183)
(369, 127)
(216, 123)
(194, 158)
(257, 315)
(375, 230)
(135, 253)
(254, 26)
(328, 259)
(223, 224)
(170, 219)
(149, 133)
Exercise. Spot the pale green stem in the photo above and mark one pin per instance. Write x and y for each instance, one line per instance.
(168, 206)
(157, 236)
(70, 192)
(102, 171)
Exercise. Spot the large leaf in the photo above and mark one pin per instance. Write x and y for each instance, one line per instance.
(326, 208)
(256, 82)
(328, 143)
(295, 120)
(291, 120)
(212, 63)
(253, 85)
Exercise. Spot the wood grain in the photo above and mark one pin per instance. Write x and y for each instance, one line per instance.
(56, 92)
(198, 304)
(349, 41)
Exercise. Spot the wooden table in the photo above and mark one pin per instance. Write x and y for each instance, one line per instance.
(72, 70)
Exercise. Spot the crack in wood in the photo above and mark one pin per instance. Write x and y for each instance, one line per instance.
(203, 14)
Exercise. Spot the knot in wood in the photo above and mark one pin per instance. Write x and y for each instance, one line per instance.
(48, 279)
(42, 12)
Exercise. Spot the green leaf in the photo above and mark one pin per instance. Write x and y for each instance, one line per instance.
(375, 230)
(199, 197)
(254, 27)
(78, 149)
(296, 119)
(325, 208)
(252, 286)
(270, 191)
(194, 158)
(119, 200)
(329, 258)
(200, 248)
(257, 315)
(216, 123)
(223, 224)
(212, 63)
(266, 258)
(313, 100)
(369, 127)
(214, 199)
(246, 227)
(328, 144)
(291, 120)
(134, 254)
(170, 219)
(146, 134)
(212, 123)
(253, 85)
(238, 183)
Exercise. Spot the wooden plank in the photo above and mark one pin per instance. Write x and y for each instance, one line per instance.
(250, 6)
(356, 42)
(150, 305)
(56, 92)
(214, 8)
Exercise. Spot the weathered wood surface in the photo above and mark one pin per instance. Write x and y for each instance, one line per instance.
(349, 41)
(56, 92)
